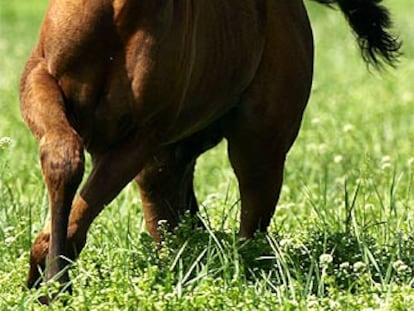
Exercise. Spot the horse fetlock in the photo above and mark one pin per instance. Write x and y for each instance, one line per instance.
(39, 253)
(38, 256)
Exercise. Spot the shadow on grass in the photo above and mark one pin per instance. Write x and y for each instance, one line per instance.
(320, 261)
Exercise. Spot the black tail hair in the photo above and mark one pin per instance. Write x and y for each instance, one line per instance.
(371, 24)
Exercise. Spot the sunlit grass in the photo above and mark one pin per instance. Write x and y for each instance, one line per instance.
(342, 236)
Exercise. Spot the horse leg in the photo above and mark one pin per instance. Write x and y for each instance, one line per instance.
(261, 130)
(166, 182)
(257, 150)
(258, 162)
(62, 162)
(166, 187)
(110, 173)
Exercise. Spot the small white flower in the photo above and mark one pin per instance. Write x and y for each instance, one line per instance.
(407, 97)
(386, 162)
(8, 229)
(162, 222)
(347, 128)
(386, 159)
(285, 242)
(400, 266)
(316, 121)
(6, 142)
(338, 159)
(359, 266)
(286, 189)
(8, 241)
(325, 259)
(344, 266)
(312, 302)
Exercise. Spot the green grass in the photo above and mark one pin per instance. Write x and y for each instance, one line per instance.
(342, 237)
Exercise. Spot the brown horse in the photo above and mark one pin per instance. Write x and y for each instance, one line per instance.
(146, 86)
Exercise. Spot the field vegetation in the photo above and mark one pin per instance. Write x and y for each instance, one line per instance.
(343, 234)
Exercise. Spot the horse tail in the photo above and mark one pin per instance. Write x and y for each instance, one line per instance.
(371, 24)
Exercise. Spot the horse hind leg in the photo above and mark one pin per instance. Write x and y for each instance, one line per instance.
(166, 182)
(265, 124)
(166, 187)
(62, 162)
(257, 152)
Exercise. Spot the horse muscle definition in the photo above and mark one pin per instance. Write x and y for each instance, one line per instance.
(146, 86)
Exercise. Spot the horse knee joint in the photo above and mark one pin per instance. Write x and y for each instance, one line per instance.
(62, 160)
